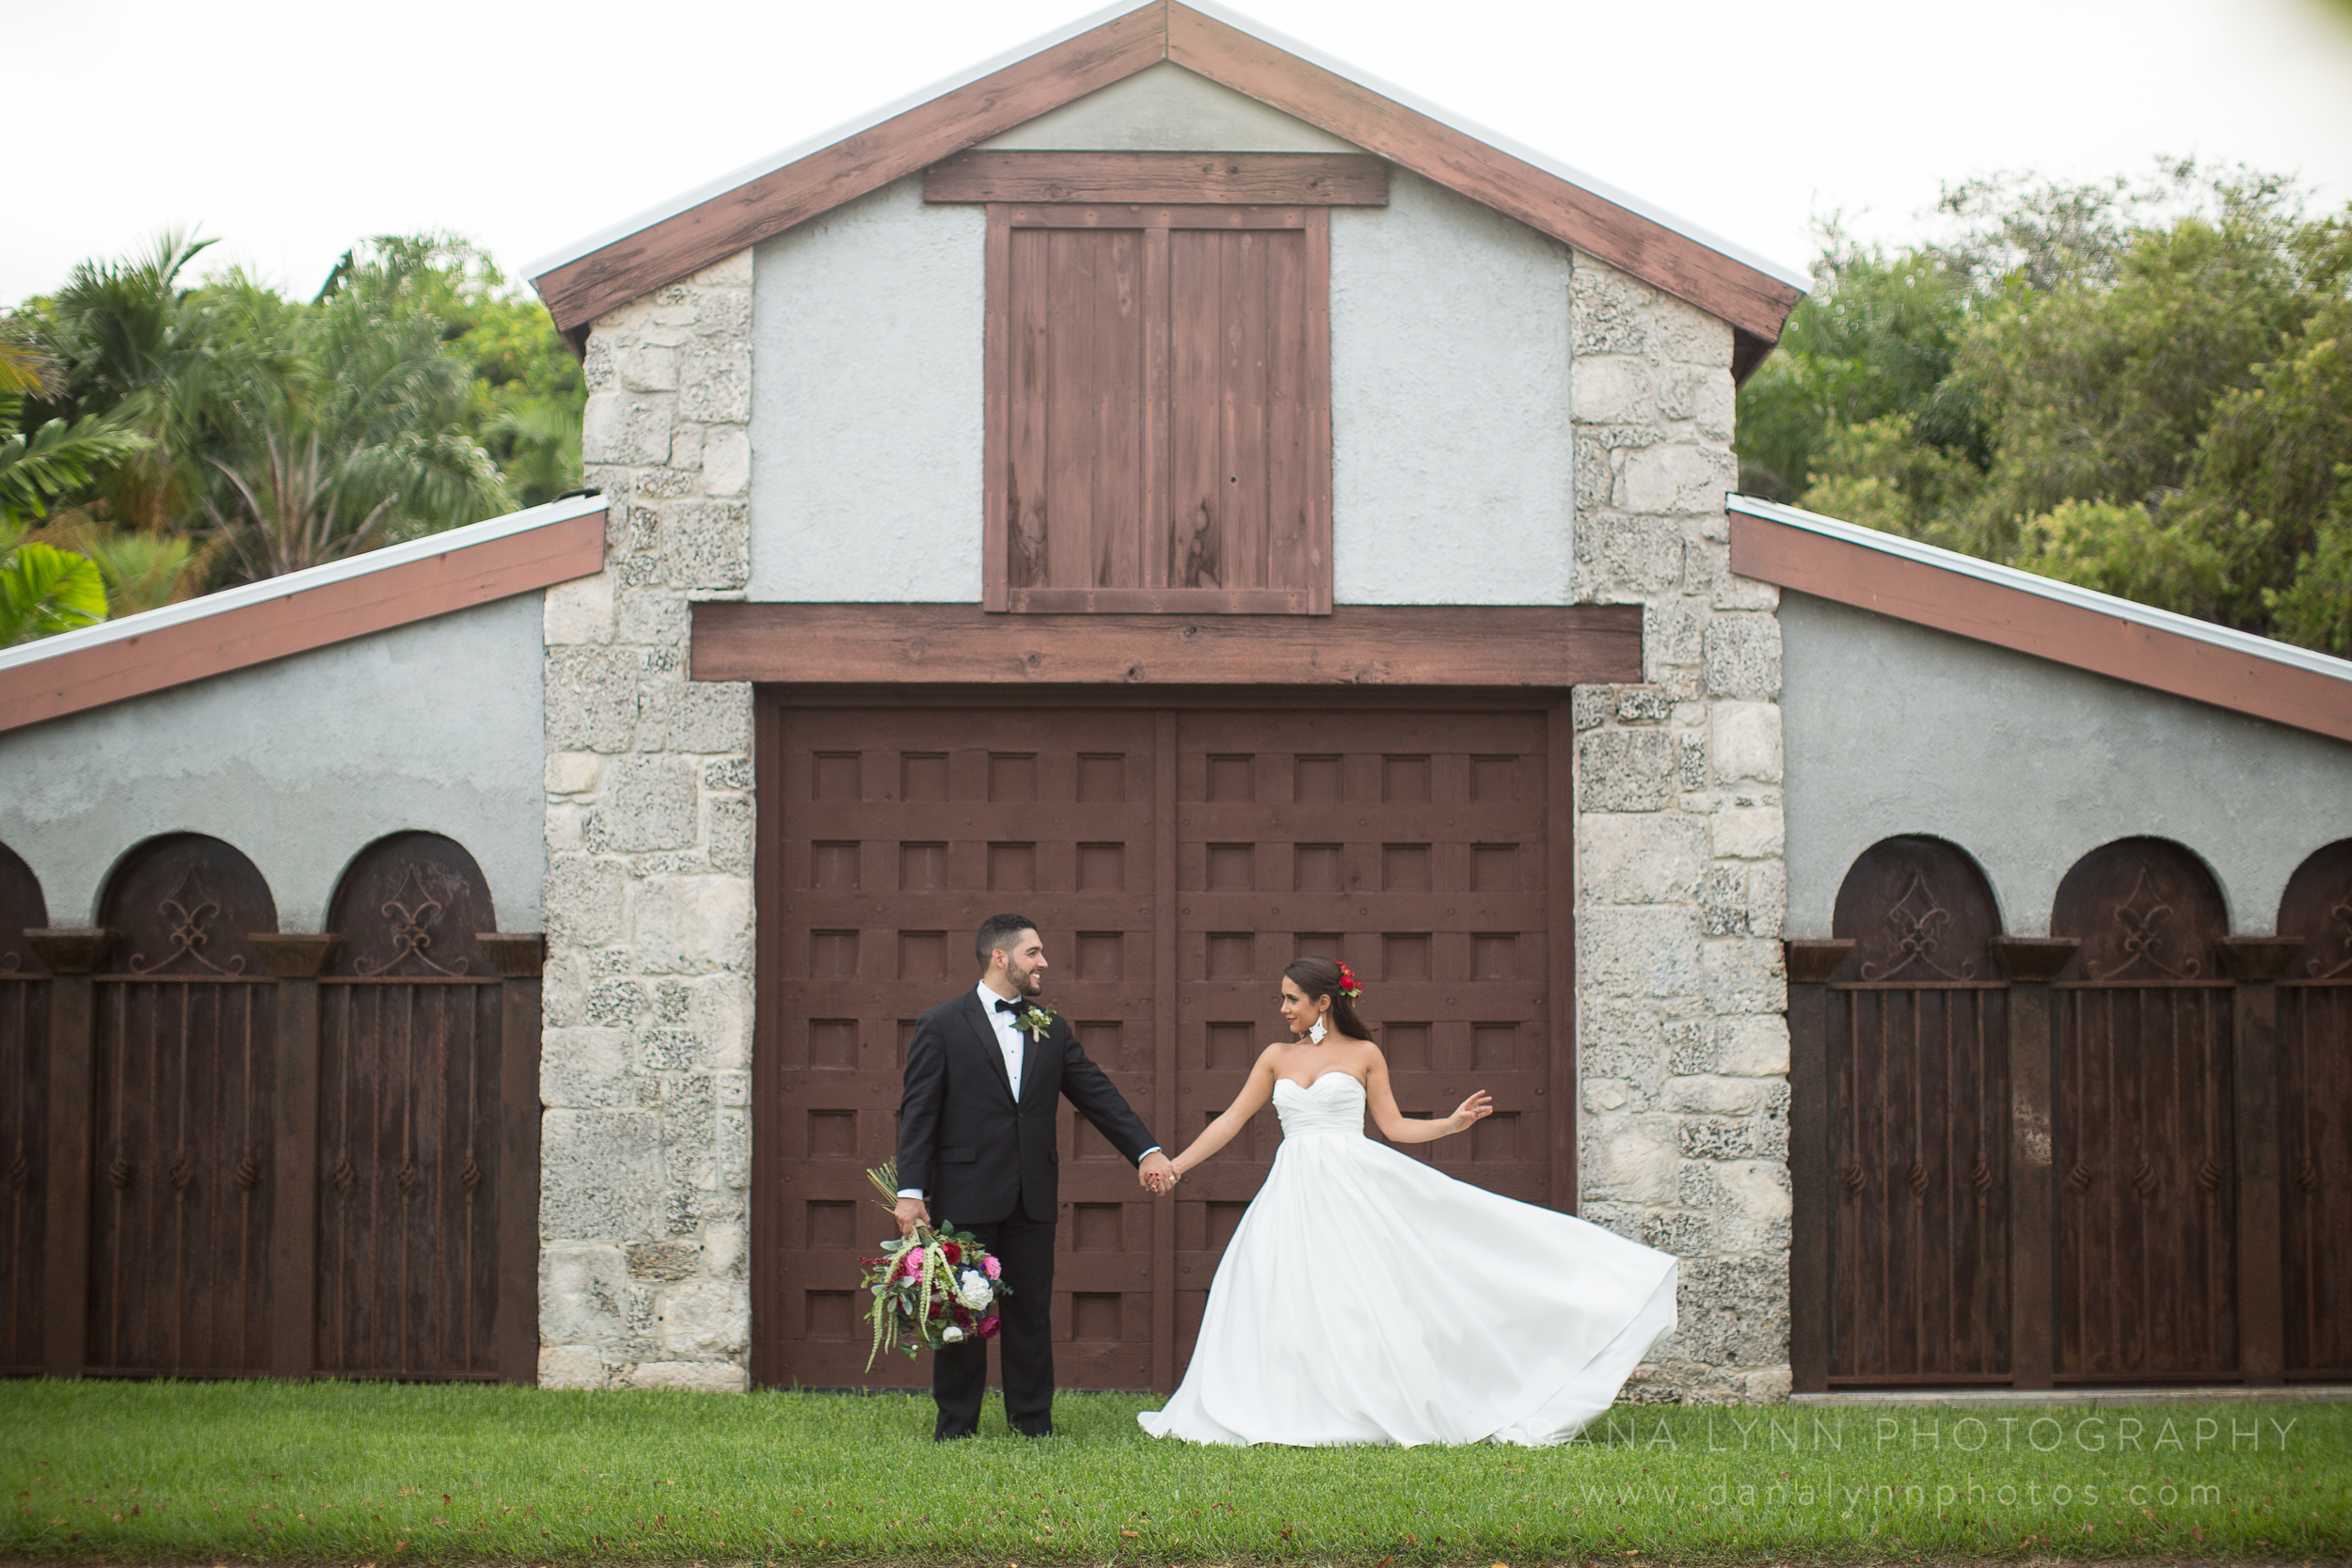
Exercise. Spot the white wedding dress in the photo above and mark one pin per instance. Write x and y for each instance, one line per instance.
(1366, 1298)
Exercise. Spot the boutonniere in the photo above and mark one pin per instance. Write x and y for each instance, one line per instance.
(1036, 1021)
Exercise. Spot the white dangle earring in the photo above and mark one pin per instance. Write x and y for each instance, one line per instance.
(1315, 1030)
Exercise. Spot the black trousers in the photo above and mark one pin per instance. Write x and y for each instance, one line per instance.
(1024, 1337)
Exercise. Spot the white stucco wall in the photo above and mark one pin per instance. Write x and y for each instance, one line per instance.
(1166, 108)
(1452, 459)
(1895, 728)
(1452, 455)
(867, 404)
(302, 763)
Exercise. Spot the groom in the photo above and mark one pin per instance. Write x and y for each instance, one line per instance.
(976, 1150)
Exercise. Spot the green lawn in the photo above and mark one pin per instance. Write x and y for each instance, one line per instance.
(324, 1472)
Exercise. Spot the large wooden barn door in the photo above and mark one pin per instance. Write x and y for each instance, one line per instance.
(183, 1066)
(1918, 1081)
(1175, 861)
(1415, 846)
(24, 1117)
(893, 833)
(2142, 1135)
(2315, 1112)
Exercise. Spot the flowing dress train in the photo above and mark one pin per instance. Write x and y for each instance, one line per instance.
(1366, 1298)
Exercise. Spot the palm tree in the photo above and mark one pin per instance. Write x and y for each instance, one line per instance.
(44, 590)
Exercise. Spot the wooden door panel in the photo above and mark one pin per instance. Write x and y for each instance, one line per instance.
(2142, 1121)
(23, 1118)
(2315, 1101)
(896, 832)
(1918, 1129)
(1358, 835)
(181, 1106)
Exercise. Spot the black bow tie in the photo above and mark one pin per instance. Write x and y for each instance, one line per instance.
(1005, 1007)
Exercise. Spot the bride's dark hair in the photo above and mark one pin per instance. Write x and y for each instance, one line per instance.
(1318, 978)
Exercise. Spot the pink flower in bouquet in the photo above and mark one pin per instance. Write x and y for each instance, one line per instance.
(994, 1268)
(914, 1262)
(988, 1325)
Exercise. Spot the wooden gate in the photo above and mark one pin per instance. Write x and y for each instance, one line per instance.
(224, 1178)
(2108, 1156)
(182, 1069)
(2142, 1140)
(409, 1085)
(24, 1113)
(1174, 860)
(1918, 1078)
(2315, 1105)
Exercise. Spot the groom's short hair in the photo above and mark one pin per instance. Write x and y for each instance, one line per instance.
(998, 930)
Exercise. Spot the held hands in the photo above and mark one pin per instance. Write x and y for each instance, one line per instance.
(1157, 1174)
(1476, 1108)
(910, 1213)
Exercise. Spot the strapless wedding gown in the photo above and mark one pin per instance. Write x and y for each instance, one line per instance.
(1366, 1298)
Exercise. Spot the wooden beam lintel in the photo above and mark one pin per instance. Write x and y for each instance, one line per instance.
(1515, 645)
(1245, 179)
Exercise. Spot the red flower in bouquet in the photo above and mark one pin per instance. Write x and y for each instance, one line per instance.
(988, 1326)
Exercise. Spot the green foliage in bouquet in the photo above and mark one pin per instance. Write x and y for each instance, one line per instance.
(937, 1287)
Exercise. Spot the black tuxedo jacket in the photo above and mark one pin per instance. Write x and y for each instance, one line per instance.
(975, 1153)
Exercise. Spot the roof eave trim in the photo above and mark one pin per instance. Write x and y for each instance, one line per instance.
(759, 168)
(629, 260)
(1988, 602)
(301, 612)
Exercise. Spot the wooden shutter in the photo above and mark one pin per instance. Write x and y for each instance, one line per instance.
(1159, 411)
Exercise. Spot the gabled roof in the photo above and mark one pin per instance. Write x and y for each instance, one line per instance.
(291, 614)
(716, 220)
(2057, 621)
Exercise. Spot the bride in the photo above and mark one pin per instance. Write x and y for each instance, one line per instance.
(1366, 1298)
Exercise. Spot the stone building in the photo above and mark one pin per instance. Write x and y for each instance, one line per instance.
(1225, 507)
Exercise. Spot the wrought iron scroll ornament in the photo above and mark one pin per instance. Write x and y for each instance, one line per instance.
(1919, 921)
(2142, 939)
(413, 912)
(191, 909)
(2340, 920)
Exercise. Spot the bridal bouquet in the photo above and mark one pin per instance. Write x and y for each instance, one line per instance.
(937, 1287)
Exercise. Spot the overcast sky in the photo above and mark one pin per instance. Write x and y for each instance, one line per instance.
(288, 129)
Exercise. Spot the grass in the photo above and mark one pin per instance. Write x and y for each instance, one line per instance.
(359, 1473)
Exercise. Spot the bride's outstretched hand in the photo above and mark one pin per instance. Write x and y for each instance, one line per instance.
(1477, 1107)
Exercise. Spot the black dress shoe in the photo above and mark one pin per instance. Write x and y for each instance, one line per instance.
(1047, 1432)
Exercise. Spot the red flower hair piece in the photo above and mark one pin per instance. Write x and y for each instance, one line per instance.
(1348, 986)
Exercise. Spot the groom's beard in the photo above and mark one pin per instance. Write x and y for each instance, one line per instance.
(1028, 983)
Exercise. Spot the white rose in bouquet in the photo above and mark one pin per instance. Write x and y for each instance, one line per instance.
(951, 1335)
(974, 1291)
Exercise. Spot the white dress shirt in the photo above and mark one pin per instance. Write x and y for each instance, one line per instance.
(1013, 1041)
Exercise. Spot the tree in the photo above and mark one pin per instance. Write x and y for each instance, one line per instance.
(2143, 388)
(44, 590)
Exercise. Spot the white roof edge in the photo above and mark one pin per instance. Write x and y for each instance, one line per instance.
(566, 254)
(1501, 143)
(2046, 588)
(759, 167)
(303, 581)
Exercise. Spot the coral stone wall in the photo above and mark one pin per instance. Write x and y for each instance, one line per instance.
(644, 1207)
(1681, 884)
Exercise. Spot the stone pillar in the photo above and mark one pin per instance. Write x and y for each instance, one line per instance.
(2032, 963)
(1681, 881)
(2257, 964)
(645, 1142)
(297, 961)
(70, 957)
(1811, 1183)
